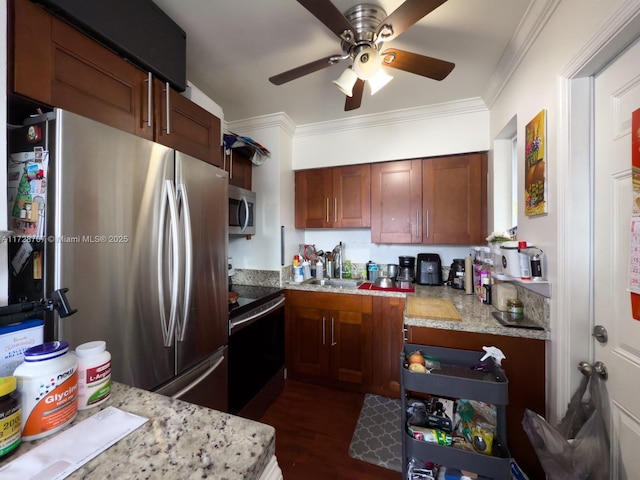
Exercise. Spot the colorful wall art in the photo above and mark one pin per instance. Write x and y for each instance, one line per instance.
(535, 164)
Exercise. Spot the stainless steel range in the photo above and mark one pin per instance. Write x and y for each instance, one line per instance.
(256, 349)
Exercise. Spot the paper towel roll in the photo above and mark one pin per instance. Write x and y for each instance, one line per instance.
(468, 275)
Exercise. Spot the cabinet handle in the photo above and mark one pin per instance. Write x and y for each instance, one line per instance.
(231, 165)
(324, 324)
(335, 209)
(327, 209)
(427, 225)
(168, 123)
(149, 81)
(418, 223)
(333, 337)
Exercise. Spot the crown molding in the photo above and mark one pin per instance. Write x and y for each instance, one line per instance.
(446, 109)
(532, 23)
(280, 119)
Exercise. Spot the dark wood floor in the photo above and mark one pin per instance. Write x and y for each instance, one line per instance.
(314, 426)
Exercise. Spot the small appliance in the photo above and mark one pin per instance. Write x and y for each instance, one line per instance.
(407, 266)
(456, 273)
(242, 211)
(429, 269)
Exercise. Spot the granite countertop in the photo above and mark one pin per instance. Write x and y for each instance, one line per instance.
(180, 440)
(476, 316)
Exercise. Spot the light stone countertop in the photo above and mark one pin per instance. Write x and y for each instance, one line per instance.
(180, 441)
(476, 316)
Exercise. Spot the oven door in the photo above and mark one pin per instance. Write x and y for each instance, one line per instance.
(256, 356)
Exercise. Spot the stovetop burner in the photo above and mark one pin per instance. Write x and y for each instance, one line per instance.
(250, 297)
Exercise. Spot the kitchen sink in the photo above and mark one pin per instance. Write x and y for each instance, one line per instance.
(336, 282)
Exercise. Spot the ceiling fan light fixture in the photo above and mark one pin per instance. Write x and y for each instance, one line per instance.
(367, 63)
(346, 81)
(379, 80)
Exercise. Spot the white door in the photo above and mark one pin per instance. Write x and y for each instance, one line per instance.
(617, 94)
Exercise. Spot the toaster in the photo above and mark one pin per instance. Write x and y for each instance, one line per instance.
(429, 269)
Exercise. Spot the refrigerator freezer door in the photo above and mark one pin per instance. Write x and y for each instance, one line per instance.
(203, 327)
(204, 384)
(107, 228)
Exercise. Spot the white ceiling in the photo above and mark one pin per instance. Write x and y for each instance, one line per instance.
(233, 47)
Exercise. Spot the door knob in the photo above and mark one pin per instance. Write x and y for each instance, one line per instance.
(599, 367)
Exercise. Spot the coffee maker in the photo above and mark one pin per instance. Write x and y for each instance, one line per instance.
(407, 268)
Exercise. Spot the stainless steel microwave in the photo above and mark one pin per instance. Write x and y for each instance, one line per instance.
(242, 211)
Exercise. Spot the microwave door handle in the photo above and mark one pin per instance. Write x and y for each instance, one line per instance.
(245, 224)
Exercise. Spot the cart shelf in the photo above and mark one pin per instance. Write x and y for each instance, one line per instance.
(456, 379)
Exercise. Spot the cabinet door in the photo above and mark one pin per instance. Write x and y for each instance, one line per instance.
(313, 198)
(351, 202)
(186, 126)
(30, 58)
(454, 199)
(92, 81)
(309, 353)
(350, 343)
(388, 341)
(396, 202)
(238, 165)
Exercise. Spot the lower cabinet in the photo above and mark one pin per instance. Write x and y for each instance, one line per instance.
(525, 368)
(329, 338)
(388, 340)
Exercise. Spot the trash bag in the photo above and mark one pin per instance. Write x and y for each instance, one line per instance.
(578, 448)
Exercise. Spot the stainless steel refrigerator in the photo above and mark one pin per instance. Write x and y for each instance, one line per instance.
(138, 234)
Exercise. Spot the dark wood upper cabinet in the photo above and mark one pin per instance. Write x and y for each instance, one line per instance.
(439, 200)
(454, 199)
(396, 202)
(337, 197)
(186, 126)
(56, 65)
(239, 166)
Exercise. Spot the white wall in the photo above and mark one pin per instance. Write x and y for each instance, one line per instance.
(455, 127)
(273, 183)
(535, 86)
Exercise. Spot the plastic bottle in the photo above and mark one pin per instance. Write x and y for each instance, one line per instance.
(306, 270)
(10, 412)
(347, 269)
(94, 374)
(48, 385)
(319, 268)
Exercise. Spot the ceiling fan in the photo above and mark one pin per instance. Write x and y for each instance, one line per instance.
(362, 30)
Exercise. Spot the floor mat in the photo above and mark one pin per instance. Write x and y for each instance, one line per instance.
(377, 438)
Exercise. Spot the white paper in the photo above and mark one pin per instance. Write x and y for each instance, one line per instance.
(68, 450)
(634, 254)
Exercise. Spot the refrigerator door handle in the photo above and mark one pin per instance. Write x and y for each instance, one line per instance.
(183, 198)
(170, 200)
(192, 385)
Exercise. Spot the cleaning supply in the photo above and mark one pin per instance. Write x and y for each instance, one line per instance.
(10, 412)
(94, 374)
(48, 385)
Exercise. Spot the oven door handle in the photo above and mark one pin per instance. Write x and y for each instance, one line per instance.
(245, 321)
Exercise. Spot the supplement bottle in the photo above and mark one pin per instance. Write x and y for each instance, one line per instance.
(48, 386)
(11, 427)
(94, 374)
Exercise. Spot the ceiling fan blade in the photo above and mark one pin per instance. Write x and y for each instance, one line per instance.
(410, 12)
(419, 64)
(329, 15)
(303, 70)
(354, 101)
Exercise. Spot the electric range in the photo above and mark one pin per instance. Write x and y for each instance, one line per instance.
(256, 345)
